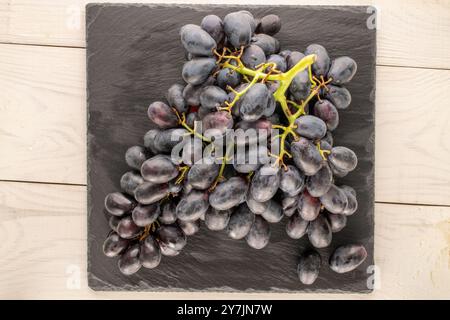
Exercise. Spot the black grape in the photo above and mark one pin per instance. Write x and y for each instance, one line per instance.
(197, 41)
(342, 70)
(306, 156)
(308, 206)
(135, 156)
(293, 58)
(165, 140)
(127, 229)
(296, 227)
(253, 56)
(197, 71)
(259, 233)
(130, 181)
(318, 184)
(144, 215)
(310, 127)
(273, 213)
(114, 245)
(262, 127)
(150, 192)
(159, 169)
(150, 254)
(339, 96)
(162, 115)
(322, 64)
(326, 111)
(289, 204)
(192, 205)
(228, 77)
(202, 175)
(251, 160)
(238, 29)
(337, 221)
(279, 61)
(343, 158)
(117, 204)
(352, 203)
(292, 180)
(189, 227)
(129, 262)
(308, 267)
(255, 206)
(228, 194)
(168, 213)
(113, 222)
(347, 258)
(214, 26)
(335, 200)
(171, 236)
(217, 220)
(217, 123)
(213, 97)
(240, 222)
(265, 183)
(270, 24)
(175, 98)
(254, 102)
(149, 140)
(300, 86)
(268, 44)
(319, 232)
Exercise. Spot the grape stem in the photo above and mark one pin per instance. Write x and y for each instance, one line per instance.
(193, 131)
(225, 159)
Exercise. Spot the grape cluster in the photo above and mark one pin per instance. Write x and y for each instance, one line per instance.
(236, 77)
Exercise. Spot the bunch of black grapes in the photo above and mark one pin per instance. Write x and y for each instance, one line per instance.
(163, 200)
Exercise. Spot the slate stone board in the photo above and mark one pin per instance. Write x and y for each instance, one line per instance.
(133, 56)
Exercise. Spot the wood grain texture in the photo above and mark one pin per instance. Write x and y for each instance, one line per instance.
(410, 33)
(43, 94)
(43, 229)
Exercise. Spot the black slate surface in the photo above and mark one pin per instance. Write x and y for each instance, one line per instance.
(133, 56)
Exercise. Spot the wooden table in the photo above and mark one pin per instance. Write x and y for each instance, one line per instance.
(43, 152)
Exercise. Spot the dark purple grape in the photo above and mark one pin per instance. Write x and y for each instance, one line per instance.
(326, 111)
(162, 115)
(228, 77)
(113, 222)
(213, 97)
(166, 140)
(238, 29)
(240, 222)
(197, 71)
(214, 26)
(253, 157)
(337, 172)
(150, 255)
(319, 232)
(217, 220)
(269, 24)
(197, 41)
(255, 206)
(135, 156)
(306, 156)
(254, 102)
(318, 184)
(342, 70)
(253, 132)
(149, 140)
(130, 181)
(328, 139)
(293, 58)
(343, 158)
(335, 200)
(292, 181)
(300, 86)
(339, 96)
(285, 53)
(259, 234)
(337, 221)
(168, 213)
(265, 183)
(202, 175)
(117, 204)
(269, 44)
(273, 212)
(249, 17)
(352, 203)
(192, 151)
(253, 56)
(217, 123)
(322, 64)
(114, 245)
(279, 61)
(310, 127)
(273, 86)
(192, 205)
(289, 204)
(308, 206)
(347, 258)
(149, 192)
(171, 236)
(189, 227)
(309, 267)
(159, 169)
(296, 226)
(144, 215)
(167, 251)
(127, 229)
(228, 194)
(129, 262)
(175, 98)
